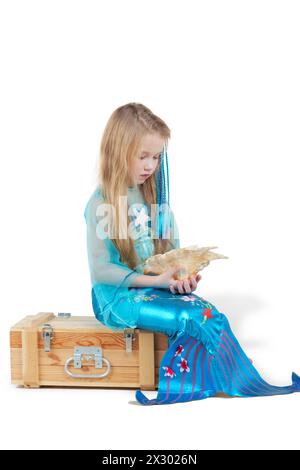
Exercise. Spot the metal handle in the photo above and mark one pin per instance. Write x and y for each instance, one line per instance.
(87, 376)
(89, 352)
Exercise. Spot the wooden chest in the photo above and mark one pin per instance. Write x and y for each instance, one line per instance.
(74, 351)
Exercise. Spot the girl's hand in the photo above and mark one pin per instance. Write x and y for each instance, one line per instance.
(184, 286)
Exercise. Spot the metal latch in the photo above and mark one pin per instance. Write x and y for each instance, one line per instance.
(47, 336)
(88, 352)
(64, 314)
(129, 337)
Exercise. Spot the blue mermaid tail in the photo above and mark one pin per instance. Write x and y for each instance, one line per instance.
(189, 370)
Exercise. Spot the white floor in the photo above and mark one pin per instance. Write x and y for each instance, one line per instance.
(106, 419)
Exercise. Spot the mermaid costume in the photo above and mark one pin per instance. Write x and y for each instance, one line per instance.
(203, 357)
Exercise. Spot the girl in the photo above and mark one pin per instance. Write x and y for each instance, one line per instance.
(132, 200)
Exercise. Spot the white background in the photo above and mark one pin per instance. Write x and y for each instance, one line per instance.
(224, 75)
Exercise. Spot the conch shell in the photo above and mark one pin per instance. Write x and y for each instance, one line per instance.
(190, 259)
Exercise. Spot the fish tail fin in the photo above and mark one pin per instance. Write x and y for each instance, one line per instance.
(296, 381)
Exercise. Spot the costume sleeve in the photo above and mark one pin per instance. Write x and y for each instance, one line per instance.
(103, 257)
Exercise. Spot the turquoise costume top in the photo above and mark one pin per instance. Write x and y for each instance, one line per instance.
(110, 277)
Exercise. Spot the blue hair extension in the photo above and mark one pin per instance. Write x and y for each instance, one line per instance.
(163, 196)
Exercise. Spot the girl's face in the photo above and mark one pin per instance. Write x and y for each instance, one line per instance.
(147, 160)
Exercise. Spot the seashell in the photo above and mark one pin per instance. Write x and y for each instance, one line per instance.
(190, 259)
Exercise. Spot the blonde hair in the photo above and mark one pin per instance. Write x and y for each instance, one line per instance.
(120, 144)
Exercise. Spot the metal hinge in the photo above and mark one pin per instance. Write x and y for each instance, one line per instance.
(47, 336)
(129, 337)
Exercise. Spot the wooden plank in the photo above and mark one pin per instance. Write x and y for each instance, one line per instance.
(72, 338)
(30, 349)
(51, 375)
(106, 340)
(121, 377)
(82, 323)
(147, 360)
(160, 341)
(116, 358)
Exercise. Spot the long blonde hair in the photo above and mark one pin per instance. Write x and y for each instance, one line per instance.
(120, 144)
